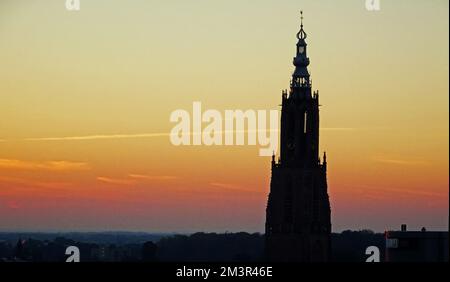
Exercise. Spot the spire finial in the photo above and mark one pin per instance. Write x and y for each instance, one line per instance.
(301, 18)
(301, 34)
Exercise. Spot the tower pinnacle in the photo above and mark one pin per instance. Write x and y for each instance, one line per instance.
(300, 77)
(301, 35)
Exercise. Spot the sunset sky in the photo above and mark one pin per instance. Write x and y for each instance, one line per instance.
(86, 96)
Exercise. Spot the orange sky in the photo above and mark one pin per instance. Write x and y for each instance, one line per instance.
(85, 100)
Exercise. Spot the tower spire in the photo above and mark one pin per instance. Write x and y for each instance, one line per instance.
(300, 77)
(301, 35)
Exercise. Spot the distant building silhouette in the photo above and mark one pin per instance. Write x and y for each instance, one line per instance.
(149, 251)
(416, 246)
(298, 224)
(19, 250)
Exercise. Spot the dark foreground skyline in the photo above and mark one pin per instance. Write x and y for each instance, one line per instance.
(110, 246)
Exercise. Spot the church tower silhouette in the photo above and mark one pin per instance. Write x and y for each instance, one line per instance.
(298, 214)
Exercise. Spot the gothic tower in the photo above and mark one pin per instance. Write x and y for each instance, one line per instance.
(298, 224)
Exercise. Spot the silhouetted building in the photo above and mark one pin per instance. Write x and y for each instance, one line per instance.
(19, 250)
(149, 251)
(298, 225)
(416, 246)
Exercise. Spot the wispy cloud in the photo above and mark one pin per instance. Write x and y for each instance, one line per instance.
(400, 161)
(388, 192)
(230, 186)
(133, 179)
(33, 183)
(117, 181)
(153, 134)
(97, 137)
(417, 192)
(152, 177)
(43, 165)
